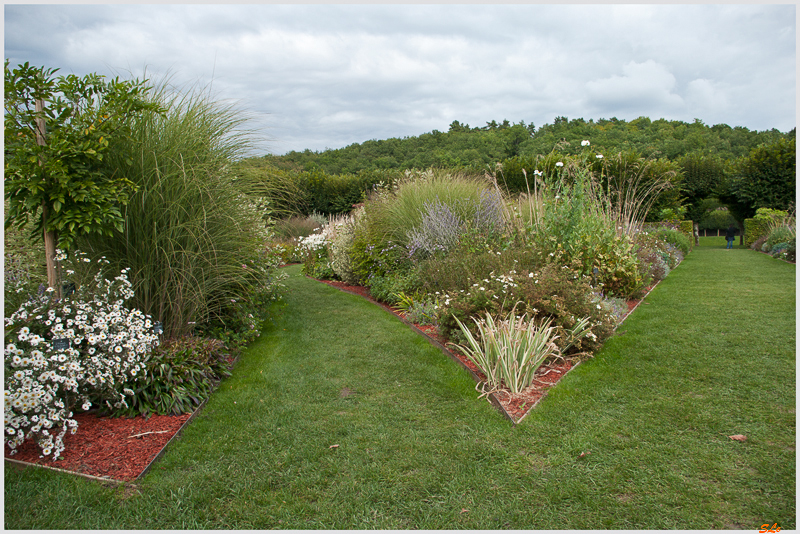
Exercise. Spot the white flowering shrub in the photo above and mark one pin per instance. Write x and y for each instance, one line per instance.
(340, 233)
(312, 244)
(316, 259)
(70, 352)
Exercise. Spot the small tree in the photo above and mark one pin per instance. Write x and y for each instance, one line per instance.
(767, 177)
(56, 133)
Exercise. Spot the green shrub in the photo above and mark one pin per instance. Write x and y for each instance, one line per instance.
(552, 291)
(462, 268)
(576, 223)
(717, 219)
(337, 193)
(674, 237)
(779, 234)
(179, 376)
(387, 288)
(761, 224)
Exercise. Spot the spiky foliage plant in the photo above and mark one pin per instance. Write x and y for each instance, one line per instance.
(192, 232)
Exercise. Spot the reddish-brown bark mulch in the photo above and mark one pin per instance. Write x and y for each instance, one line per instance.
(117, 448)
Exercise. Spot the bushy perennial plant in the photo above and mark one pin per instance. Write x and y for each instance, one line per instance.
(69, 352)
(509, 351)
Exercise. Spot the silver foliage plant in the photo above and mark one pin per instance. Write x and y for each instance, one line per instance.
(441, 227)
(439, 230)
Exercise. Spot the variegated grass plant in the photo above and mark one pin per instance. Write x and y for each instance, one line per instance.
(510, 350)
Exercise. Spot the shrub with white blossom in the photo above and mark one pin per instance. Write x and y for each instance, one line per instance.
(72, 352)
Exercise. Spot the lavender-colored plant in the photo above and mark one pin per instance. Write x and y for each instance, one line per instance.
(489, 211)
(439, 230)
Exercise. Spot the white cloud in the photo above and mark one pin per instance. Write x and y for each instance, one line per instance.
(702, 96)
(321, 76)
(643, 88)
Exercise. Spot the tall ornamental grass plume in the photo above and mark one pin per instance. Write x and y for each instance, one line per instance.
(70, 353)
(395, 213)
(193, 234)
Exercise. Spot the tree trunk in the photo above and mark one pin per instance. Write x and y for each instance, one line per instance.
(50, 237)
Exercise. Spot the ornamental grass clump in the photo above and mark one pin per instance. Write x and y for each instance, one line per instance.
(193, 226)
(75, 351)
(509, 351)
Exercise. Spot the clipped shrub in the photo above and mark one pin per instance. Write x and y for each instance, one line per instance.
(717, 219)
(761, 224)
(333, 194)
(179, 376)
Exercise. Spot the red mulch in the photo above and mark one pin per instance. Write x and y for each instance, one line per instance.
(108, 446)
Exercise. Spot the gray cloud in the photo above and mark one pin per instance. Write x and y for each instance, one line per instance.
(317, 76)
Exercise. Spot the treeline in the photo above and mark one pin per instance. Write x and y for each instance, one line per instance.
(709, 167)
(464, 146)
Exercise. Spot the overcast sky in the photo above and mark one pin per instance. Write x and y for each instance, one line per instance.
(326, 76)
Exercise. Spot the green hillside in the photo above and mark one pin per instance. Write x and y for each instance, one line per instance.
(465, 146)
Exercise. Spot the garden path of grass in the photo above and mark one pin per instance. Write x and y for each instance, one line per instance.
(708, 354)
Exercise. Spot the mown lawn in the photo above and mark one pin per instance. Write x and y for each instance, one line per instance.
(634, 438)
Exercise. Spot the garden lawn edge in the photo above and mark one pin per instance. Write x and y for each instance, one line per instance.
(21, 464)
(433, 341)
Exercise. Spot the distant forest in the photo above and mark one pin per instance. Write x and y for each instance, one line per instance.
(463, 146)
(712, 168)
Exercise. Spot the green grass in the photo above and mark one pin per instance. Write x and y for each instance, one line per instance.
(708, 354)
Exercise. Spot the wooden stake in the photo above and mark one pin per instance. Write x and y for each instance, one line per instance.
(145, 433)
